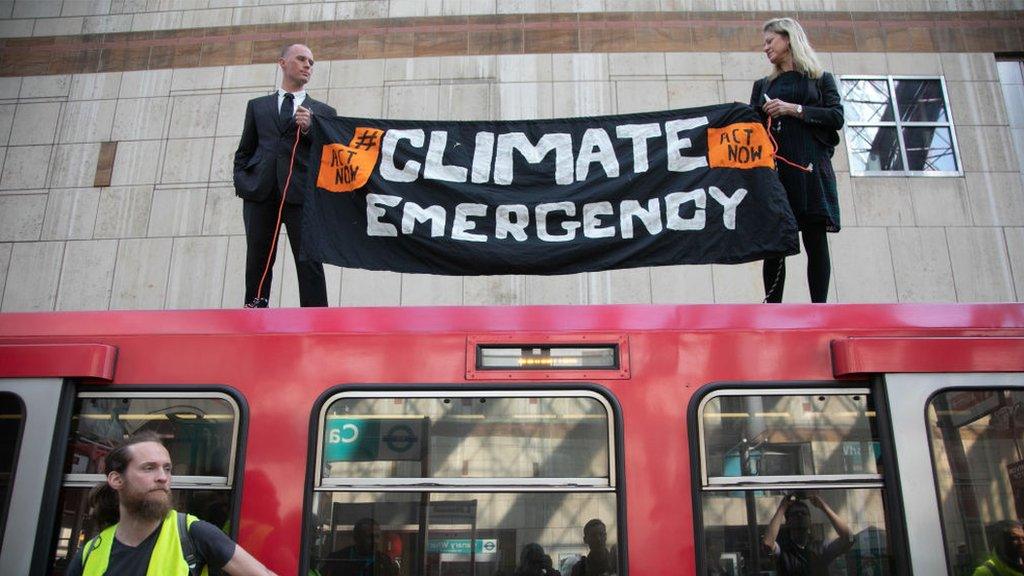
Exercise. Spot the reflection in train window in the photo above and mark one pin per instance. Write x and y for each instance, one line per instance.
(977, 437)
(452, 483)
(463, 437)
(791, 482)
(199, 429)
(12, 420)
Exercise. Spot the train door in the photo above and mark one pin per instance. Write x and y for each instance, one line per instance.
(29, 409)
(959, 441)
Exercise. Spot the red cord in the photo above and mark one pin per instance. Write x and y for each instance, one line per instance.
(775, 150)
(280, 210)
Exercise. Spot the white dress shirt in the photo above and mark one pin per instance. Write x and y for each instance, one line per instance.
(300, 97)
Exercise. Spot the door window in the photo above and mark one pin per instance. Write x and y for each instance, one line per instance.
(12, 421)
(977, 437)
(792, 483)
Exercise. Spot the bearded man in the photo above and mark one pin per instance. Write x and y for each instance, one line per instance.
(140, 531)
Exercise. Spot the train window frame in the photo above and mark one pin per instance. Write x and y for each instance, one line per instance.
(457, 484)
(711, 483)
(887, 483)
(181, 482)
(614, 487)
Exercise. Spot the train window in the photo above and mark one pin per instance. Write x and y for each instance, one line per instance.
(451, 483)
(528, 438)
(977, 437)
(200, 430)
(792, 480)
(12, 418)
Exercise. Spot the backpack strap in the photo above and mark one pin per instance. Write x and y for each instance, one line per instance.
(188, 547)
(91, 545)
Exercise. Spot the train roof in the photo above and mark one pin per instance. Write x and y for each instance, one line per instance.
(469, 319)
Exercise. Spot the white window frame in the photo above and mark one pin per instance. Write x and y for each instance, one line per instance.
(899, 124)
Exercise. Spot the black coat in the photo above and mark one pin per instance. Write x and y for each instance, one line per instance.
(823, 107)
(264, 151)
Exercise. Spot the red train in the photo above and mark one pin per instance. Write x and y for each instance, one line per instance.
(482, 441)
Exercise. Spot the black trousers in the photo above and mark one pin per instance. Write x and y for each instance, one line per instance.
(819, 268)
(259, 218)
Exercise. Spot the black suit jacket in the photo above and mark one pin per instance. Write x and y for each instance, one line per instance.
(264, 152)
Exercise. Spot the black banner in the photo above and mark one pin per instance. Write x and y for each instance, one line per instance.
(693, 186)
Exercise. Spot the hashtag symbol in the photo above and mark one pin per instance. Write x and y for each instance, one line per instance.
(366, 141)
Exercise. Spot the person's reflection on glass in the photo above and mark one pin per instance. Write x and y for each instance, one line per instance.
(365, 557)
(713, 557)
(868, 556)
(794, 551)
(1007, 558)
(534, 562)
(598, 561)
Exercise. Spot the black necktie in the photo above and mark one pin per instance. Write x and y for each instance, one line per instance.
(287, 108)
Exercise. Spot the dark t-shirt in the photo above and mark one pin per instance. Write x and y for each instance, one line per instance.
(811, 560)
(349, 562)
(585, 566)
(213, 548)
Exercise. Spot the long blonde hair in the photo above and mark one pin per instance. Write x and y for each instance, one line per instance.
(804, 58)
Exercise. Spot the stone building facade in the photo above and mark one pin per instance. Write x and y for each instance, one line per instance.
(119, 120)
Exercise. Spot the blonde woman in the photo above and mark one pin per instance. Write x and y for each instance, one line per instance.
(801, 102)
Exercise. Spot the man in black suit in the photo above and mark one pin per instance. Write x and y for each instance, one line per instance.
(261, 169)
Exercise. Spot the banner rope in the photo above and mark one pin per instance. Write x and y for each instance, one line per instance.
(775, 150)
(775, 284)
(255, 302)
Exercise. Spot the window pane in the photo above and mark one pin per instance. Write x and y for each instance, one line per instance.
(867, 101)
(930, 149)
(873, 149)
(12, 417)
(1011, 71)
(464, 437)
(920, 100)
(803, 435)
(75, 526)
(198, 432)
(735, 524)
(383, 534)
(976, 442)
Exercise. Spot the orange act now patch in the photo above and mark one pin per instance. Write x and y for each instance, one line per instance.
(741, 145)
(347, 168)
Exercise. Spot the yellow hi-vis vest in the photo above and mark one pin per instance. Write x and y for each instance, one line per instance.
(167, 559)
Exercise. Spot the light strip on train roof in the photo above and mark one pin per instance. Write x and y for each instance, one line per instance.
(531, 357)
